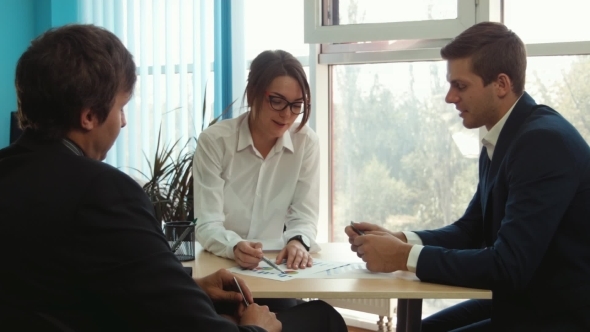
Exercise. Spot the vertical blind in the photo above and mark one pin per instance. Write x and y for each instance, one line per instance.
(172, 50)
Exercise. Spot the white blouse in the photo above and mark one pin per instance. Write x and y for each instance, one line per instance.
(239, 195)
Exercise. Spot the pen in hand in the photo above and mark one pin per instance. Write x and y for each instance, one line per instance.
(356, 230)
(269, 262)
(240, 289)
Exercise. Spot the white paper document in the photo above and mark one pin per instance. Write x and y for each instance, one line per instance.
(264, 270)
(322, 270)
(352, 271)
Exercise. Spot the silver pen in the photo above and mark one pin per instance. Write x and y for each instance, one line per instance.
(269, 262)
(240, 289)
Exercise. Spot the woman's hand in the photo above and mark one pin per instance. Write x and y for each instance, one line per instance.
(296, 254)
(248, 254)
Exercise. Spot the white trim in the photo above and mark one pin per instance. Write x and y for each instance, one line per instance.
(320, 122)
(426, 54)
(488, 10)
(380, 46)
(238, 54)
(564, 48)
(315, 32)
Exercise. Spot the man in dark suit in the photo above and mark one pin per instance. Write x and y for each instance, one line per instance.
(526, 233)
(81, 247)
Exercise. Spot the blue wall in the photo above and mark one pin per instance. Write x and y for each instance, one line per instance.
(20, 22)
(17, 24)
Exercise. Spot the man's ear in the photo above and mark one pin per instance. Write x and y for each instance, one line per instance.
(88, 119)
(503, 85)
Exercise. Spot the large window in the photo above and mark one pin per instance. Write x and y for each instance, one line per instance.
(398, 154)
(568, 20)
(401, 157)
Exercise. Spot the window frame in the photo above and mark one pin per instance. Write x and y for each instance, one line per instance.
(315, 32)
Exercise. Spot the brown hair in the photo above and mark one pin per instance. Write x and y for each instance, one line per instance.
(494, 49)
(66, 70)
(267, 66)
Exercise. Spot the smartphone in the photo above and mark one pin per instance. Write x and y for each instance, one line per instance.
(359, 232)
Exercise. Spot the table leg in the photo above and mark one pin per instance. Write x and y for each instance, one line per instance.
(409, 315)
(402, 313)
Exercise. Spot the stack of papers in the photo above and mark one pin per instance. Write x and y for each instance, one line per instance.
(320, 269)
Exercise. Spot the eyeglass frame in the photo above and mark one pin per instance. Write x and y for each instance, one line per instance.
(289, 104)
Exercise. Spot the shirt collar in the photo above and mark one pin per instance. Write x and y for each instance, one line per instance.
(490, 139)
(245, 138)
(72, 146)
(244, 135)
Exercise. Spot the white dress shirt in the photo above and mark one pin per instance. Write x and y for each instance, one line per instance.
(239, 195)
(489, 140)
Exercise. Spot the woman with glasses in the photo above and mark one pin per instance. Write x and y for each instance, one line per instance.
(256, 177)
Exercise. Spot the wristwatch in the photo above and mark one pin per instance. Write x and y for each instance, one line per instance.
(303, 239)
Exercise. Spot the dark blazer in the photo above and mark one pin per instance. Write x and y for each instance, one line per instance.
(526, 233)
(81, 250)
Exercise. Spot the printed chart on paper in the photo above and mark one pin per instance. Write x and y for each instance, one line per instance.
(264, 270)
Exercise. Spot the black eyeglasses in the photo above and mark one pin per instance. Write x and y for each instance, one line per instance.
(279, 104)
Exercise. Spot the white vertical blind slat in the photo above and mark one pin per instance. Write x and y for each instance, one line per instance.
(108, 14)
(197, 72)
(156, 70)
(108, 22)
(85, 11)
(182, 118)
(97, 12)
(122, 140)
(144, 117)
(205, 67)
(168, 118)
(132, 120)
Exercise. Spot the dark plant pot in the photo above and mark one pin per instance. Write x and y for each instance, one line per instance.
(186, 249)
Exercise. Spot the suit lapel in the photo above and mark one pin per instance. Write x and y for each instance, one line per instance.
(520, 113)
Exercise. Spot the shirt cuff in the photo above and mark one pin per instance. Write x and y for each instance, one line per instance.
(413, 257)
(229, 250)
(413, 238)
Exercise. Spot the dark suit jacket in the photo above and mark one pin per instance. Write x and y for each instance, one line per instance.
(81, 250)
(526, 233)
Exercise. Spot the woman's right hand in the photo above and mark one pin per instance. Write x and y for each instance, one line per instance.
(248, 254)
(261, 316)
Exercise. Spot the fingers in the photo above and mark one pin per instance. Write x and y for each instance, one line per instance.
(246, 255)
(281, 256)
(309, 261)
(253, 249)
(350, 232)
(245, 260)
(298, 259)
(245, 290)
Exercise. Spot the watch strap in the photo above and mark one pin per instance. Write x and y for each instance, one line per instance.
(300, 239)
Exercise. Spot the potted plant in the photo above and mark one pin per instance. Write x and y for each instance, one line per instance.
(170, 188)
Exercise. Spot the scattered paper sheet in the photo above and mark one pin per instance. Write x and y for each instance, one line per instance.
(359, 271)
(265, 271)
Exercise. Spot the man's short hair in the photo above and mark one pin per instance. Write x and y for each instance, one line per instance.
(66, 70)
(493, 49)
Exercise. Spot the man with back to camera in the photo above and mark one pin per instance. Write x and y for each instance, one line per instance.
(526, 233)
(82, 248)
